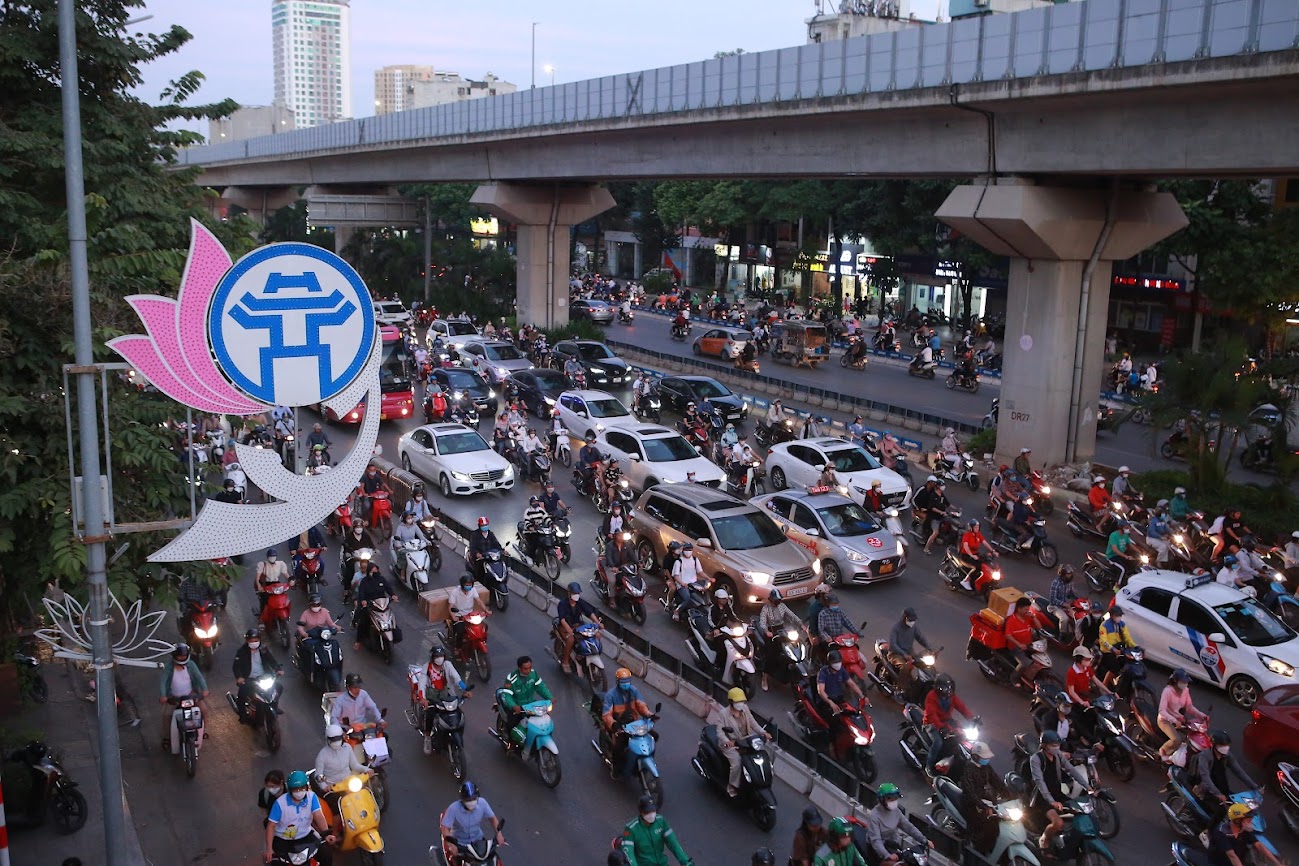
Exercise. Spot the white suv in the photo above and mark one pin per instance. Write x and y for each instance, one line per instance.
(650, 454)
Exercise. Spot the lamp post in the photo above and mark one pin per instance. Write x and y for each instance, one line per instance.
(549, 70)
(110, 757)
(534, 55)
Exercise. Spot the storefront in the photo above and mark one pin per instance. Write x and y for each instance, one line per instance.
(1151, 313)
(933, 286)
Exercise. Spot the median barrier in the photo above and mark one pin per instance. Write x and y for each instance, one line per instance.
(635, 662)
(694, 701)
(793, 773)
(657, 678)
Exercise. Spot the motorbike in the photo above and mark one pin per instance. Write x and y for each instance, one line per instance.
(414, 570)
(234, 472)
(532, 738)
(52, 796)
(383, 631)
(539, 547)
(850, 358)
(850, 653)
(317, 456)
(923, 369)
(352, 568)
(1011, 848)
(885, 675)
(731, 659)
(480, 853)
(755, 789)
(888, 518)
(954, 569)
(990, 420)
(323, 667)
(203, 637)
(639, 760)
(749, 479)
(767, 435)
(958, 471)
(966, 382)
(680, 333)
(274, 616)
(1045, 551)
(987, 649)
(1098, 803)
(307, 570)
(448, 722)
(493, 573)
(588, 660)
(786, 661)
(381, 513)
(1187, 816)
(885, 341)
(955, 748)
(1064, 630)
(626, 591)
(357, 824)
(563, 534)
(626, 317)
(262, 710)
(1080, 523)
(1041, 493)
(537, 466)
(472, 649)
(649, 407)
(949, 528)
(1287, 778)
(1107, 575)
(339, 522)
(187, 731)
(848, 734)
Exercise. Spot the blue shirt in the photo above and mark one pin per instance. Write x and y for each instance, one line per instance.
(466, 826)
(1157, 528)
(833, 680)
(292, 819)
(617, 697)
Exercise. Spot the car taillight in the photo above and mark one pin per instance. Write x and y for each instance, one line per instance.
(1255, 715)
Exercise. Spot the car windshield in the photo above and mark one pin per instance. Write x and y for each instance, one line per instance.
(551, 380)
(460, 329)
(1254, 624)
(669, 450)
(706, 388)
(461, 443)
(609, 408)
(464, 379)
(391, 307)
(502, 353)
(392, 372)
(595, 351)
(846, 520)
(852, 460)
(747, 531)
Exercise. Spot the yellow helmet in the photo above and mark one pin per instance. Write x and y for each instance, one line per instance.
(736, 694)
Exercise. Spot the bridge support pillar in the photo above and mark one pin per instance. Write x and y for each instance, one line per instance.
(542, 215)
(1061, 243)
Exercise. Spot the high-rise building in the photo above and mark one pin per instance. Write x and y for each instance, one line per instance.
(313, 59)
(251, 121)
(393, 86)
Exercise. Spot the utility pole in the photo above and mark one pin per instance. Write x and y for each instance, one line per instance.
(534, 55)
(428, 253)
(110, 756)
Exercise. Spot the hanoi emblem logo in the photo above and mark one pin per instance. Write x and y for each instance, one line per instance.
(291, 324)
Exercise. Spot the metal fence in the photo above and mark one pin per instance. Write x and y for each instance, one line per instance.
(1071, 37)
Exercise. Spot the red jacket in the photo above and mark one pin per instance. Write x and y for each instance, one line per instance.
(942, 718)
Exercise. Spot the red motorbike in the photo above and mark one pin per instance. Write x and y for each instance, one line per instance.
(1042, 503)
(853, 662)
(435, 407)
(848, 734)
(472, 648)
(203, 632)
(309, 570)
(275, 614)
(340, 522)
(381, 512)
(697, 435)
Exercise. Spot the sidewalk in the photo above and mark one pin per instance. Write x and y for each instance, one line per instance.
(67, 725)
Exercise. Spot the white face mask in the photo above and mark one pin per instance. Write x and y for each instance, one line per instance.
(469, 805)
(335, 744)
(254, 646)
(1222, 750)
(574, 598)
(274, 790)
(299, 796)
(892, 805)
(649, 817)
(836, 666)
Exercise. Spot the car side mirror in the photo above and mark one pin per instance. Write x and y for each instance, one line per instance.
(812, 533)
(582, 413)
(703, 542)
(1218, 637)
(634, 458)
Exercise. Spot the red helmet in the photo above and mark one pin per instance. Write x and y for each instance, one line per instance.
(483, 521)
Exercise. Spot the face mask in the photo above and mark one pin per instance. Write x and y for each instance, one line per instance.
(892, 805)
(983, 762)
(469, 805)
(687, 555)
(649, 817)
(738, 707)
(270, 558)
(574, 598)
(1222, 750)
(274, 790)
(255, 645)
(908, 622)
(316, 608)
(836, 666)
(335, 744)
(1053, 750)
(299, 796)
(626, 687)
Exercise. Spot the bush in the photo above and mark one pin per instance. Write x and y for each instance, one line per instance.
(660, 283)
(1272, 512)
(983, 442)
(582, 329)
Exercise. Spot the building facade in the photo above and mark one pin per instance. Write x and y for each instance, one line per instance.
(251, 121)
(447, 87)
(313, 61)
(394, 86)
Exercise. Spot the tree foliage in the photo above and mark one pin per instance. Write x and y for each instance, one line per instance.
(138, 208)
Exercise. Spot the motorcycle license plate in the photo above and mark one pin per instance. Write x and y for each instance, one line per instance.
(886, 568)
(793, 593)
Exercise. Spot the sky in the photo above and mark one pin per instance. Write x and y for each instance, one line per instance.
(231, 42)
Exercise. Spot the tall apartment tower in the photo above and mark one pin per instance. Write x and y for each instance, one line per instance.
(394, 85)
(313, 59)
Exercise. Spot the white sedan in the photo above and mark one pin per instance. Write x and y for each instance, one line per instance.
(455, 458)
(650, 454)
(592, 412)
(798, 465)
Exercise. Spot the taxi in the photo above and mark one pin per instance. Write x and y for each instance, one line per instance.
(851, 546)
(722, 342)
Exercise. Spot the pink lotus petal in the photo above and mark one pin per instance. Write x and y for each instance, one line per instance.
(142, 353)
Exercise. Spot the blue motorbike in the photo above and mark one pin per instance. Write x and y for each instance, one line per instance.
(638, 756)
(1187, 816)
(532, 738)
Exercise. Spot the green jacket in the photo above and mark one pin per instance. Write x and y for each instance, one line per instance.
(196, 678)
(644, 843)
(1179, 508)
(519, 690)
(849, 856)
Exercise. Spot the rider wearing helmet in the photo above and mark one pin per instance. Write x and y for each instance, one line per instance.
(622, 705)
(315, 616)
(887, 829)
(269, 570)
(774, 616)
(295, 814)
(337, 761)
(252, 661)
(1175, 711)
(722, 610)
(942, 707)
(903, 638)
(407, 530)
(356, 705)
(180, 679)
(833, 682)
(1099, 499)
(462, 822)
(734, 723)
(462, 600)
(1053, 779)
(572, 610)
(645, 837)
(808, 837)
(839, 849)
(437, 681)
(481, 542)
(1213, 771)
(1062, 592)
(523, 685)
(974, 546)
(535, 519)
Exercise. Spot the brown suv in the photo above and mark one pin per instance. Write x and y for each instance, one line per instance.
(737, 544)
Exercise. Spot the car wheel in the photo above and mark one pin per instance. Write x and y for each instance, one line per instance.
(695, 348)
(446, 486)
(1243, 691)
(645, 556)
(830, 574)
(649, 482)
(405, 462)
(778, 481)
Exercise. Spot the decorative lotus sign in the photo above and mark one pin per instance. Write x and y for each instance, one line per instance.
(287, 325)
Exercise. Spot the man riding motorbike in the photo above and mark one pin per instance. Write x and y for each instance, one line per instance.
(480, 543)
(735, 723)
(833, 683)
(903, 638)
(972, 549)
(462, 822)
(355, 704)
(462, 600)
(980, 782)
(774, 616)
(522, 686)
(888, 830)
(942, 707)
(269, 570)
(572, 611)
(373, 587)
(251, 662)
(1052, 778)
(622, 705)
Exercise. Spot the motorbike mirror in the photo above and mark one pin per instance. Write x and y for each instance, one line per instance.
(658, 706)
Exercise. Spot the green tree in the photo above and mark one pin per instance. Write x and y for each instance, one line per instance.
(138, 209)
(291, 223)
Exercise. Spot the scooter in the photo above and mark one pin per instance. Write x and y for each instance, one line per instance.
(323, 668)
(494, 574)
(1097, 803)
(381, 513)
(649, 407)
(538, 466)
(639, 760)
(958, 471)
(532, 738)
(990, 420)
(587, 653)
(886, 676)
(786, 661)
(234, 472)
(1045, 551)
(203, 637)
(626, 317)
(755, 788)
(766, 436)
(539, 547)
(1061, 629)
(274, 617)
(1107, 575)
(954, 750)
(627, 595)
(383, 627)
(680, 333)
(987, 649)
(414, 572)
(949, 530)
(954, 570)
(1187, 817)
(888, 518)
(732, 660)
(53, 795)
(1012, 839)
(187, 731)
(923, 369)
(262, 710)
(356, 563)
(472, 649)
(339, 522)
(308, 570)
(480, 853)
(847, 735)
(448, 722)
(850, 654)
(1081, 524)
(357, 823)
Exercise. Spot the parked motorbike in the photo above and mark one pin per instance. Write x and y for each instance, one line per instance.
(448, 722)
(320, 658)
(638, 761)
(532, 738)
(262, 709)
(887, 678)
(187, 731)
(730, 658)
(755, 789)
(627, 594)
(52, 795)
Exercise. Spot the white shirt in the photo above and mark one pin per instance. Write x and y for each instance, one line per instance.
(462, 601)
(686, 570)
(1291, 554)
(255, 668)
(1228, 576)
(530, 444)
(181, 684)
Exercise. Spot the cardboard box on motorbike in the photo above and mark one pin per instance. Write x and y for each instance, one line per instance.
(1002, 600)
(435, 606)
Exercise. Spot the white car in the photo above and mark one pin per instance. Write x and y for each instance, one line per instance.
(494, 360)
(455, 458)
(592, 412)
(1216, 633)
(650, 454)
(798, 465)
(391, 313)
(454, 332)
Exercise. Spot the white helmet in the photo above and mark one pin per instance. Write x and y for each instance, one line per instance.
(334, 731)
(1099, 479)
(1123, 470)
(722, 595)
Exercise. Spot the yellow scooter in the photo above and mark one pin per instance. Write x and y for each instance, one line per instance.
(358, 827)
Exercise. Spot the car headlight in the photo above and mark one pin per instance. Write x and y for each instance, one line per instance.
(460, 476)
(816, 566)
(491, 393)
(761, 578)
(549, 401)
(509, 471)
(265, 683)
(1276, 666)
(854, 556)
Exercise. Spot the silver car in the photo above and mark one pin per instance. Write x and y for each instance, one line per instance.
(852, 547)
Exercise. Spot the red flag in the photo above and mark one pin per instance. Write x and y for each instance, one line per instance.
(668, 263)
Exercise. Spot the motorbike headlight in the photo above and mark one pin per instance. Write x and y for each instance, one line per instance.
(791, 635)
(622, 482)
(460, 476)
(491, 393)
(1178, 538)
(1144, 559)
(458, 395)
(205, 633)
(996, 575)
(1276, 575)
(842, 489)
(854, 556)
(761, 578)
(816, 566)
(928, 660)
(862, 740)
(475, 619)
(970, 733)
(1014, 813)
(891, 512)
(355, 784)
(550, 401)
(1276, 666)
(265, 683)
(626, 536)
(1046, 490)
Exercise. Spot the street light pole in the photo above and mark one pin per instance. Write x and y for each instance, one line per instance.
(534, 55)
(110, 756)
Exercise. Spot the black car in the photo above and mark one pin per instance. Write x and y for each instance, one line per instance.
(677, 391)
(603, 368)
(468, 385)
(539, 389)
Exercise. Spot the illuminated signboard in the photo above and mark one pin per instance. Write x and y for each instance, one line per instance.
(1150, 283)
(485, 226)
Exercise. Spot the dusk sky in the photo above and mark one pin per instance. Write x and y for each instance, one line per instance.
(232, 39)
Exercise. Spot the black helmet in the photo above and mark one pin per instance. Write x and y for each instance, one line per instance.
(251, 633)
(647, 804)
(944, 684)
(466, 581)
(180, 652)
(910, 613)
(437, 650)
(1220, 737)
(1050, 738)
(763, 857)
(1065, 571)
(468, 790)
(314, 598)
(812, 817)
(834, 657)
(774, 595)
(352, 680)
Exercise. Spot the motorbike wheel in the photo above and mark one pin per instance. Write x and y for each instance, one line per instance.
(864, 767)
(69, 810)
(1184, 822)
(595, 676)
(944, 821)
(1107, 818)
(459, 762)
(744, 681)
(483, 664)
(652, 785)
(379, 788)
(282, 629)
(189, 750)
(205, 657)
(1166, 451)
(764, 811)
(548, 766)
(973, 481)
(1120, 763)
(638, 614)
(435, 558)
(271, 725)
(501, 600)
(371, 858)
(951, 382)
(551, 564)
(1047, 555)
(385, 649)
